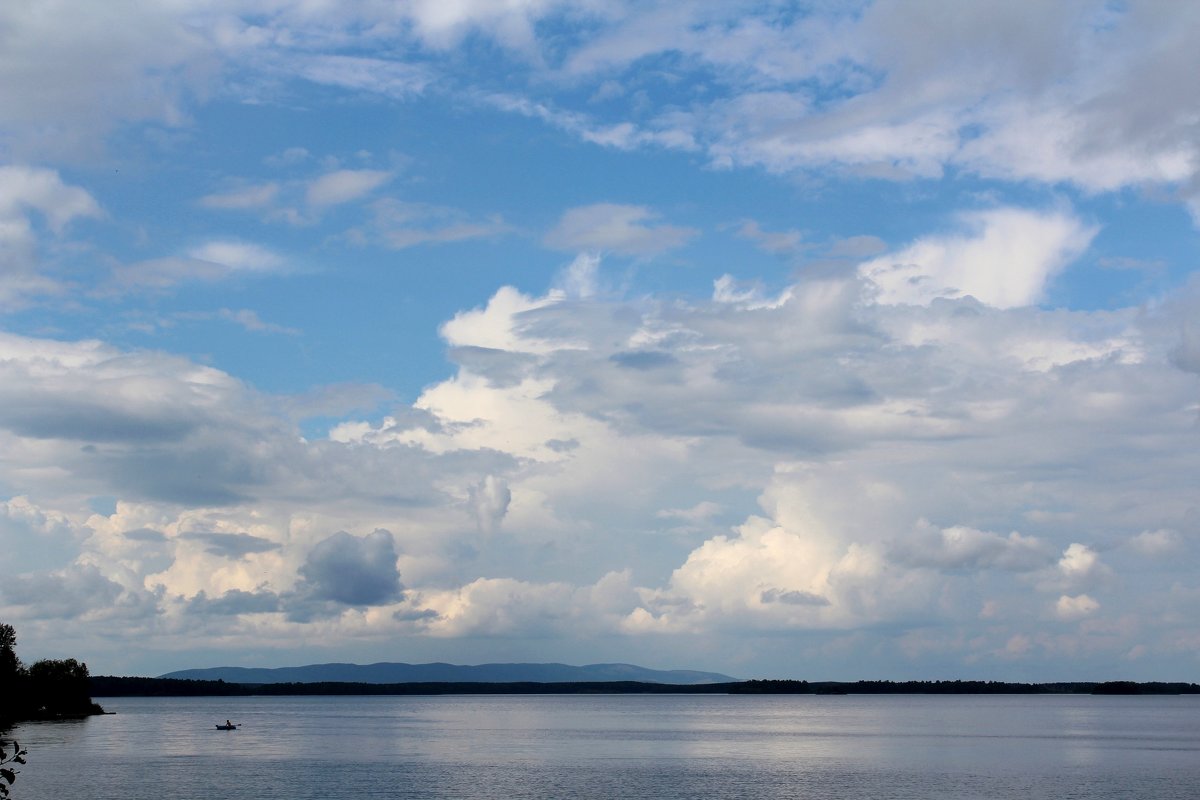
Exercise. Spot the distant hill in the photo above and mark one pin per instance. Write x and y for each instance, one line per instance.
(387, 672)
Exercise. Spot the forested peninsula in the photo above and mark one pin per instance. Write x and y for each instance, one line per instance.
(46, 689)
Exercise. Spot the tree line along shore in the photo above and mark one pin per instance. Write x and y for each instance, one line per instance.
(115, 686)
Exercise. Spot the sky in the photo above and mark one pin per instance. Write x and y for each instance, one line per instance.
(829, 340)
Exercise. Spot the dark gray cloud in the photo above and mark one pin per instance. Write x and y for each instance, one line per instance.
(1186, 354)
(197, 475)
(414, 615)
(64, 419)
(962, 548)
(232, 545)
(352, 571)
(62, 594)
(793, 597)
(234, 602)
(145, 535)
(500, 367)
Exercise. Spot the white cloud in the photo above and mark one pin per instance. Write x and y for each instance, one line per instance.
(577, 423)
(1077, 92)
(380, 76)
(245, 197)
(778, 242)
(25, 189)
(701, 512)
(1005, 258)
(490, 499)
(25, 192)
(960, 547)
(343, 186)
(399, 225)
(1080, 93)
(619, 136)
(237, 256)
(212, 261)
(442, 24)
(288, 157)
(68, 75)
(1080, 567)
(246, 318)
(1072, 608)
(624, 229)
(1078, 561)
(1162, 542)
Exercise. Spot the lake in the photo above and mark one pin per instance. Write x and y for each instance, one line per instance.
(621, 746)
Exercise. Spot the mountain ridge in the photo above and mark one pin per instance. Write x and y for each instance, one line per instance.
(400, 672)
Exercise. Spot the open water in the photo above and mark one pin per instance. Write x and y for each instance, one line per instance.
(622, 746)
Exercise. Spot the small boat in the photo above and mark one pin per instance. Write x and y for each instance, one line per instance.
(227, 727)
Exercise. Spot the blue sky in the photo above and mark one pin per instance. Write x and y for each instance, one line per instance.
(829, 340)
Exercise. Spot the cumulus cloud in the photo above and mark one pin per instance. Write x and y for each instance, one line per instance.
(68, 76)
(231, 545)
(1005, 258)
(1080, 567)
(849, 421)
(489, 500)
(24, 189)
(69, 593)
(828, 426)
(28, 194)
(961, 547)
(1072, 608)
(352, 570)
(1080, 93)
(625, 229)
(511, 23)
(233, 603)
(36, 538)
(1079, 561)
(1157, 543)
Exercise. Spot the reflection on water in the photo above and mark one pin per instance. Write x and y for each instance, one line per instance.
(622, 746)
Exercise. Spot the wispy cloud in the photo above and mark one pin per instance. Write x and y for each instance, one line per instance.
(624, 229)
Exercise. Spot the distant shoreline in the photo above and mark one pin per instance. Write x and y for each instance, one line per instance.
(123, 686)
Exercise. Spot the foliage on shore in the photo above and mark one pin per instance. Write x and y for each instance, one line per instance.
(46, 689)
(8, 769)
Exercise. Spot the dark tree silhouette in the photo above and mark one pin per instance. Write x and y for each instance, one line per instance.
(8, 653)
(47, 689)
(61, 687)
(8, 772)
(11, 672)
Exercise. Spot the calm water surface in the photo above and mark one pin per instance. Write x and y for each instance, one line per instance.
(622, 746)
